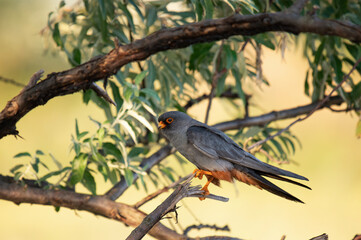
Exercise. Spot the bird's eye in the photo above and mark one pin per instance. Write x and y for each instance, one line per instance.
(169, 120)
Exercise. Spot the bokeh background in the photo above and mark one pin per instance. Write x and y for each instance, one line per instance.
(330, 155)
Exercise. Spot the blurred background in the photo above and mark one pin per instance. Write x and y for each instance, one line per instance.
(330, 155)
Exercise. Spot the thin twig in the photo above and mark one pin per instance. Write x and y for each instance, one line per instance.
(345, 110)
(11, 81)
(102, 93)
(320, 104)
(226, 94)
(244, 45)
(202, 226)
(160, 191)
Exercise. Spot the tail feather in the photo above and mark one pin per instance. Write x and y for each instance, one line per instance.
(283, 179)
(269, 186)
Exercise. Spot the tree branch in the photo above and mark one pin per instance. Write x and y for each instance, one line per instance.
(11, 81)
(169, 205)
(81, 77)
(275, 115)
(99, 205)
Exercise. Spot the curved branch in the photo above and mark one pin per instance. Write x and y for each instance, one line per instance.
(99, 205)
(81, 77)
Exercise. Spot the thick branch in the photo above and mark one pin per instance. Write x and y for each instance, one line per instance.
(81, 77)
(99, 205)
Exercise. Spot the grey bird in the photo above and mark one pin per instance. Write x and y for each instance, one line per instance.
(218, 157)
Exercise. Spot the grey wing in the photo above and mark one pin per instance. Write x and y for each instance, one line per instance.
(215, 144)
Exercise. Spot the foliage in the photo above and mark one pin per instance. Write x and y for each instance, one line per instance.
(168, 80)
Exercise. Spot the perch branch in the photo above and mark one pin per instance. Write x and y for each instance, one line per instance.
(169, 205)
(82, 76)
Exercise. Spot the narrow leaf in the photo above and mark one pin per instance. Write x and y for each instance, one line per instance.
(22, 154)
(78, 167)
(141, 119)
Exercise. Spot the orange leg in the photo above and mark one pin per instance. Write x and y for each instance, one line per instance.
(199, 174)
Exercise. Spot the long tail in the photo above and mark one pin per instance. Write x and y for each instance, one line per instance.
(254, 177)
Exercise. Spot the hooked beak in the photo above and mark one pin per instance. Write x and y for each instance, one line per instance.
(161, 124)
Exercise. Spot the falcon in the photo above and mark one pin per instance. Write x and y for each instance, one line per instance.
(218, 157)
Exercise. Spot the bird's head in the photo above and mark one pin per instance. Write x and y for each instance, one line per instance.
(173, 122)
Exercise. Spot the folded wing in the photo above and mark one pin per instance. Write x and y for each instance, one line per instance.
(215, 144)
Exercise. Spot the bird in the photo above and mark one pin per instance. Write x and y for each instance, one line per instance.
(218, 157)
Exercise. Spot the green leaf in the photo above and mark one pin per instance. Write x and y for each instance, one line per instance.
(151, 16)
(77, 55)
(128, 129)
(78, 167)
(141, 119)
(116, 95)
(168, 173)
(101, 134)
(55, 173)
(139, 78)
(356, 92)
(16, 167)
(128, 175)
(77, 129)
(89, 182)
(22, 154)
(358, 129)
(252, 131)
(102, 9)
(151, 76)
(56, 36)
(209, 9)
(39, 152)
(199, 9)
(307, 86)
(128, 92)
(136, 151)
(111, 149)
(237, 77)
(337, 65)
(319, 51)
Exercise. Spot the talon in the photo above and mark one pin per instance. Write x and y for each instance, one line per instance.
(199, 173)
(205, 188)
